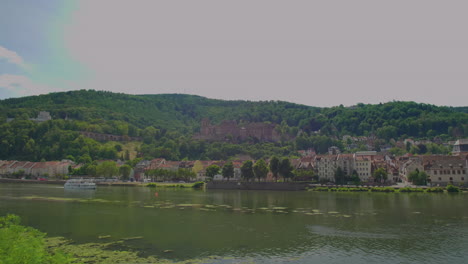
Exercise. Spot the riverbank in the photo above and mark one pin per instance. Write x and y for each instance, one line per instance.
(258, 186)
(62, 182)
(394, 189)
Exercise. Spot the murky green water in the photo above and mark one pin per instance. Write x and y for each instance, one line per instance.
(248, 226)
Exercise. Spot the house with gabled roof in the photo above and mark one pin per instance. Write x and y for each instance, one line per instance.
(460, 146)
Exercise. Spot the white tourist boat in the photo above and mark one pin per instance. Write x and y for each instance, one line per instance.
(79, 184)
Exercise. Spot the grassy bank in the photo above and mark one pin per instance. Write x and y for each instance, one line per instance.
(195, 185)
(450, 189)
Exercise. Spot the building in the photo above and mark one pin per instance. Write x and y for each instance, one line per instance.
(325, 166)
(444, 170)
(363, 167)
(460, 146)
(231, 131)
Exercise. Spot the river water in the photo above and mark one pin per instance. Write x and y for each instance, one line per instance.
(252, 226)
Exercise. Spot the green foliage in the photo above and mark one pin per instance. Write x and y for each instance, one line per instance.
(107, 169)
(382, 189)
(355, 178)
(125, 171)
(452, 189)
(151, 185)
(340, 176)
(198, 185)
(380, 175)
(166, 124)
(408, 189)
(228, 170)
(247, 170)
(435, 190)
(134, 162)
(286, 169)
(305, 175)
(417, 177)
(260, 169)
(172, 175)
(320, 189)
(212, 171)
(378, 189)
(20, 244)
(275, 167)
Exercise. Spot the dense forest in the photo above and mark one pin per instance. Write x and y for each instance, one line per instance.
(167, 122)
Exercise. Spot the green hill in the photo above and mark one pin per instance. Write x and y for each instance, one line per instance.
(166, 123)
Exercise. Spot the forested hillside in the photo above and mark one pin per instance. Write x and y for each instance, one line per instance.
(167, 122)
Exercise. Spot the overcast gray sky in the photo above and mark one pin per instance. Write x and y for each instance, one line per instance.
(320, 53)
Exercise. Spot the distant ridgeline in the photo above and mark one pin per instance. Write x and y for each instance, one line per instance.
(233, 132)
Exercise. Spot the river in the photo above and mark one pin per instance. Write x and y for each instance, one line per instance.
(252, 226)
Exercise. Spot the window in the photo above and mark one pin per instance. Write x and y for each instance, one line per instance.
(440, 178)
(435, 172)
(463, 178)
(451, 178)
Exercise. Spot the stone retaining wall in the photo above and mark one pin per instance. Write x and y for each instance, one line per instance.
(274, 186)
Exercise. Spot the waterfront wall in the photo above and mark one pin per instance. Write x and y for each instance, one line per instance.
(273, 186)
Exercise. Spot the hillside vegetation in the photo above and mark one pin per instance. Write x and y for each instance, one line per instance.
(167, 122)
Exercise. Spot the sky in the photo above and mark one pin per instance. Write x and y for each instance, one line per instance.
(319, 53)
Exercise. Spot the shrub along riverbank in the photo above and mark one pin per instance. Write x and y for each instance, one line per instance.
(449, 188)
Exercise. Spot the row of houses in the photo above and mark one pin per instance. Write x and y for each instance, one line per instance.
(53, 169)
(442, 170)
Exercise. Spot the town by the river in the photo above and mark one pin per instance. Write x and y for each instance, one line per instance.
(234, 226)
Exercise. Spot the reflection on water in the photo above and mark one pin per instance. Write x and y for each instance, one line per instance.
(262, 227)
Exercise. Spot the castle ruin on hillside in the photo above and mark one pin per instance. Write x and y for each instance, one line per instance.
(231, 131)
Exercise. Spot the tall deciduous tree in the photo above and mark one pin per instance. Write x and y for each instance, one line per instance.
(247, 170)
(274, 167)
(212, 170)
(107, 169)
(285, 168)
(125, 171)
(417, 177)
(339, 176)
(260, 169)
(228, 170)
(380, 175)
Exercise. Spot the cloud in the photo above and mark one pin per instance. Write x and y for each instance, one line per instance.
(12, 57)
(20, 85)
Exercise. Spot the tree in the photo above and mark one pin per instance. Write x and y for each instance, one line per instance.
(355, 178)
(417, 177)
(247, 170)
(107, 169)
(125, 171)
(260, 169)
(212, 171)
(380, 175)
(305, 175)
(285, 168)
(91, 170)
(274, 167)
(340, 176)
(228, 170)
(21, 244)
(197, 167)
